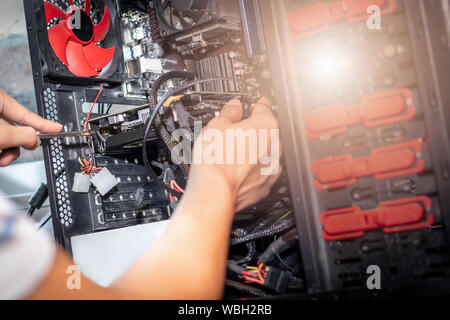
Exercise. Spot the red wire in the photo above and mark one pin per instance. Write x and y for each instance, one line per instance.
(250, 278)
(253, 280)
(249, 274)
(90, 111)
(89, 167)
(260, 268)
(176, 187)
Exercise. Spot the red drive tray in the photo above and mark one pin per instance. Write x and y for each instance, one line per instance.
(383, 163)
(374, 110)
(318, 17)
(392, 216)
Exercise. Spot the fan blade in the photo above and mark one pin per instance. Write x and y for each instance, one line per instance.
(102, 28)
(78, 63)
(98, 57)
(58, 36)
(87, 6)
(52, 11)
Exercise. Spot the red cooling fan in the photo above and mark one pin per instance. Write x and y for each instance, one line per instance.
(74, 38)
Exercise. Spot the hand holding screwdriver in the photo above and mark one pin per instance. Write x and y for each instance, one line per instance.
(18, 127)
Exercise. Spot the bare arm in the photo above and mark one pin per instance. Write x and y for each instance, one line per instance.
(189, 260)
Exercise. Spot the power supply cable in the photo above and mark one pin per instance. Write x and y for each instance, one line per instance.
(40, 195)
(37, 199)
(152, 117)
(270, 231)
(153, 101)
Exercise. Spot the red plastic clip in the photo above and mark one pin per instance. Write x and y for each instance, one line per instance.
(383, 163)
(392, 216)
(374, 110)
(317, 18)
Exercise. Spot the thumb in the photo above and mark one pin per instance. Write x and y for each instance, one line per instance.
(232, 111)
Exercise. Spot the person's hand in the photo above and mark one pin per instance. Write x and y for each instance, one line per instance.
(18, 127)
(249, 181)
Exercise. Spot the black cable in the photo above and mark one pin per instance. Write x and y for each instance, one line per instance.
(45, 221)
(30, 211)
(283, 262)
(155, 112)
(153, 101)
(296, 283)
(37, 199)
(246, 288)
(278, 246)
(271, 231)
(108, 108)
(251, 248)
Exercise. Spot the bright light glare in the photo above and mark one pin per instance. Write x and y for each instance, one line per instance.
(329, 67)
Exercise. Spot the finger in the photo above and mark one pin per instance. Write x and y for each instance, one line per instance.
(263, 106)
(8, 156)
(13, 111)
(262, 116)
(232, 111)
(18, 136)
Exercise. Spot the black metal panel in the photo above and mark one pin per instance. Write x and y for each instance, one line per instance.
(410, 51)
(61, 99)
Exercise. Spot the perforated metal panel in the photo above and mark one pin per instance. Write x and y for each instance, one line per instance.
(57, 159)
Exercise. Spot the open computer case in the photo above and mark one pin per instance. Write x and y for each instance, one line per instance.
(361, 94)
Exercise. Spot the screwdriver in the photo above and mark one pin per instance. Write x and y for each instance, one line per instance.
(59, 135)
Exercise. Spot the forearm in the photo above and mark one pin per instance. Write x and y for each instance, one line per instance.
(188, 261)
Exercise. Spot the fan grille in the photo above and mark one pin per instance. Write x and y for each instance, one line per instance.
(172, 19)
(95, 13)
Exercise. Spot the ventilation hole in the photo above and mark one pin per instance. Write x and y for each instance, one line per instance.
(51, 113)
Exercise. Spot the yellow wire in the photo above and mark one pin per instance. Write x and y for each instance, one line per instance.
(283, 216)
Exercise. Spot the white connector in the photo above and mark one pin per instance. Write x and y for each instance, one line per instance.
(81, 183)
(104, 181)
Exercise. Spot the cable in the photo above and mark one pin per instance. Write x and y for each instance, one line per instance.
(278, 246)
(92, 107)
(272, 230)
(283, 262)
(37, 199)
(44, 222)
(87, 166)
(108, 108)
(251, 248)
(40, 195)
(153, 101)
(152, 118)
(246, 288)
